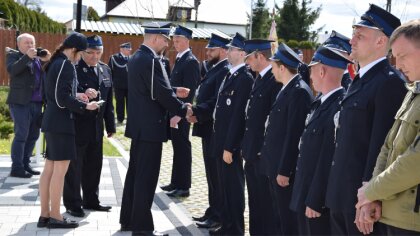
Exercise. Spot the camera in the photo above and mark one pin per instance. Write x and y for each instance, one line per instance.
(40, 52)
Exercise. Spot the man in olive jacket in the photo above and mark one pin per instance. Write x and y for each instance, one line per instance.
(396, 177)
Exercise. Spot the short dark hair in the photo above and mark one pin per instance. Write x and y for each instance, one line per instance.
(410, 30)
(290, 69)
(266, 53)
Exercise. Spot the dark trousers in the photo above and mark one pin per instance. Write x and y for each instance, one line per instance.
(232, 186)
(281, 201)
(26, 129)
(342, 223)
(140, 185)
(214, 194)
(121, 103)
(84, 171)
(314, 226)
(181, 166)
(262, 217)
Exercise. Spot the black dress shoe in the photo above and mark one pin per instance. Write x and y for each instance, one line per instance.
(76, 212)
(63, 224)
(42, 222)
(125, 228)
(200, 219)
(32, 171)
(149, 233)
(218, 231)
(97, 208)
(179, 193)
(20, 174)
(168, 187)
(209, 223)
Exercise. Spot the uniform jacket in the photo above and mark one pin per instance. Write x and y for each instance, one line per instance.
(206, 99)
(285, 125)
(90, 125)
(150, 98)
(229, 121)
(22, 78)
(396, 177)
(60, 103)
(118, 65)
(261, 98)
(316, 149)
(186, 73)
(366, 115)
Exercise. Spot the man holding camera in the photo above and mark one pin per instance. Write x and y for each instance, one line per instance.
(94, 79)
(25, 101)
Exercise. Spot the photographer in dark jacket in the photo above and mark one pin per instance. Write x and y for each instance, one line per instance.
(25, 101)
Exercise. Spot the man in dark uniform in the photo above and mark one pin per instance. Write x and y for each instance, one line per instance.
(229, 124)
(94, 80)
(366, 115)
(151, 96)
(263, 94)
(118, 63)
(203, 124)
(316, 146)
(284, 125)
(341, 44)
(186, 73)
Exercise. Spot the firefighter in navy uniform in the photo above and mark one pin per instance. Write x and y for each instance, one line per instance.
(229, 125)
(118, 64)
(316, 146)
(94, 78)
(366, 114)
(203, 124)
(186, 73)
(284, 126)
(262, 218)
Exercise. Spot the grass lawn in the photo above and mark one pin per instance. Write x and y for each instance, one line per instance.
(109, 150)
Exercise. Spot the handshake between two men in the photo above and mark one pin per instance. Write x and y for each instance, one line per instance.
(182, 92)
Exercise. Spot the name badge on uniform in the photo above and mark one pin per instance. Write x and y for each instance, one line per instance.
(107, 82)
(228, 101)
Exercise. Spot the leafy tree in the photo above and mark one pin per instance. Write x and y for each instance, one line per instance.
(92, 14)
(294, 20)
(261, 21)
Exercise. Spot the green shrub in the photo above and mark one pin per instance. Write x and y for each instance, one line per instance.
(306, 45)
(293, 44)
(4, 108)
(6, 127)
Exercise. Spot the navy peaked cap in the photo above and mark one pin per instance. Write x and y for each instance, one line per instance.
(238, 41)
(338, 41)
(76, 40)
(217, 41)
(254, 45)
(286, 56)
(329, 57)
(162, 28)
(125, 45)
(94, 42)
(183, 31)
(379, 18)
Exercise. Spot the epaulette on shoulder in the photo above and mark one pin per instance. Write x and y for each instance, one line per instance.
(103, 64)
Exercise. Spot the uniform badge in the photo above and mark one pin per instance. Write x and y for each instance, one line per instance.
(85, 69)
(228, 101)
(308, 117)
(336, 120)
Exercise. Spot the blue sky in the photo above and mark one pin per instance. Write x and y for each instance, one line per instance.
(336, 14)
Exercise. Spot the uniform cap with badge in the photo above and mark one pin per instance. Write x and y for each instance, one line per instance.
(238, 41)
(286, 56)
(162, 28)
(378, 18)
(183, 31)
(217, 41)
(94, 42)
(329, 57)
(255, 45)
(76, 40)
(338, 42)
(126, 45)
